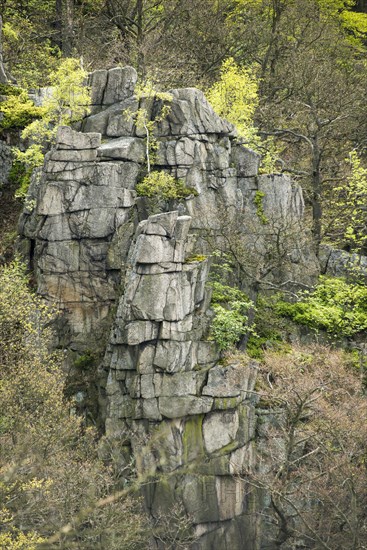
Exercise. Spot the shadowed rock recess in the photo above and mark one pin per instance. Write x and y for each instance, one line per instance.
(133, 283)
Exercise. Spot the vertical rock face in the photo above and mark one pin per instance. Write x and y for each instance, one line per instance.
(83, 210)
(188, 421)
(5, 162)
(77, 209)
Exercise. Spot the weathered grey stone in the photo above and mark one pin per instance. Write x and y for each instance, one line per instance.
(231, 492)
(90, 197)
(119, 174)
(68, 171)
(161, 267)
(97, 122)
(55, 228)
(164, 296)
(163, 224)
(124, 148)
(135, 333)
(246, 161)
(112, 385)
(220, 429)
(283, 199)
(200, 498)
(151, 249)
(121, 119)
(81, 287)
(123, 358)
(93, 255)
(144, 364)
(185, 152)
(339, 263)
(182, 406)
(247, 423)
(181, 330)
(151, 410)
(73, 155)
(58, 257)
(5, 162)
(166, 395)
(132, 384)
(96, 223)
(174, 356)
(67, 138)
(227, 403)
(230, 381)
(180, 384)
(147, 386)
(247, 186)
(123, 406)
(191, 114)
(120, 85)
(207, 352)
(97, 81)
(51, 199)
(243, 460)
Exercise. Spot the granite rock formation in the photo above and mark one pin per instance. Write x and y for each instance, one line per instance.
(95, 246)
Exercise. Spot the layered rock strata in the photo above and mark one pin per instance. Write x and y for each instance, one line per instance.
(94, 247)
(82, 211)
(190, 421)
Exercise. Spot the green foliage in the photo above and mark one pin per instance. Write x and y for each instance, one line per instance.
(67, 103)
(19, 111)
(258, 200)
(50, 473)
(345, 219)
(195, 258)
(338, 307)
(163, 186)
(231, 308)
(235, 97)
(8, 90)
(30, 59)
(146, 94)
(17, 540)
(271, 328)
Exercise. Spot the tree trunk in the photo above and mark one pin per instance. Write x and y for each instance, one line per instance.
(68, 28)
(140, 38)
(316, 194)
(3, 77)
(58, 24)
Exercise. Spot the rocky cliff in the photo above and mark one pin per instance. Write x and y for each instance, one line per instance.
(133, 282)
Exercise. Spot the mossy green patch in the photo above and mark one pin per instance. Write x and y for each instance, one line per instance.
(225, 403)
(227, 449)
(192, 438)
(195, 258)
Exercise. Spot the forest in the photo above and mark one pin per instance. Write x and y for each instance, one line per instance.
(291, 76)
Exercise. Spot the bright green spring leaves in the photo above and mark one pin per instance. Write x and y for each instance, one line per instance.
(346, 217)
(336, 306)
(235, 97)
(163, 186)
(231, 308)
(67, 103)
(18, 110)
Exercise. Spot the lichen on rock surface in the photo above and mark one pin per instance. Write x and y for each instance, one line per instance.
(113, 267)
